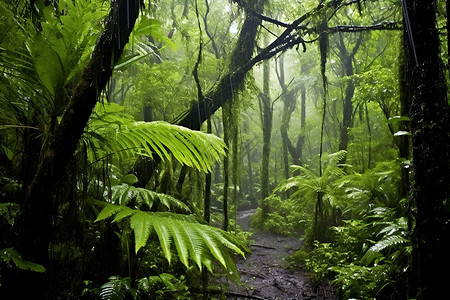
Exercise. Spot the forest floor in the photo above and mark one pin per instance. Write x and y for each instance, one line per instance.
(264, 274)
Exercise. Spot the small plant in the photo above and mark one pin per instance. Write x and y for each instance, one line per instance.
(282, 218)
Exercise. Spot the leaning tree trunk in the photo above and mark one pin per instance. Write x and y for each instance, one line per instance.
(431, 152)
(240, 64)
(34, 224)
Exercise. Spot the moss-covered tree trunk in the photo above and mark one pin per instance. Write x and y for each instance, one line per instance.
(34, 225)
(238, 67)
(266, 120)
(430, 128)
(347, 115)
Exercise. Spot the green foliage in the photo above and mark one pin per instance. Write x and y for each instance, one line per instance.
(61, 50)
(360, 282)
(306, 188)
(298, 258)
(373, 188)
(117, 288)
(9, 256)
(122, 194)
(113, 130)
(364, 256)
(164, 286)
(191, 239)
(281, 218)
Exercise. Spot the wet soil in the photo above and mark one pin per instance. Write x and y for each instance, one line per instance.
(264, 274)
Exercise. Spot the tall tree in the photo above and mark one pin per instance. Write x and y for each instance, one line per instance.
(34, 225)
(431, 151)
(346, 59)
(266, 111)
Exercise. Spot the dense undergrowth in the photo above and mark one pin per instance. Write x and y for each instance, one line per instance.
(366, 250)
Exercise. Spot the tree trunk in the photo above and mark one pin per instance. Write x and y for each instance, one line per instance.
(240, 64)
(347, 116)
(404, 141)
(430, 128)
(266, 120)
(226, 180)
(34, 224)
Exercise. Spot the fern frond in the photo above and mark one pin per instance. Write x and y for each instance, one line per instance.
(114, 289)
(191, 239)
(129, 139)
(122, 194)
(334, 158)
(375, 251)
(9, 254)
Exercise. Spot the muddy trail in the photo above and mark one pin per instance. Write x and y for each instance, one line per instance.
(263, 273)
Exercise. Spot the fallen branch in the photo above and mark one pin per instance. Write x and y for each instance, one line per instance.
(265, 247)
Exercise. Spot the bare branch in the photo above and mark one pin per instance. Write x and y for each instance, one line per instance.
(358, 28)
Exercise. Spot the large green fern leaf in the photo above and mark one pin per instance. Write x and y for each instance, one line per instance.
(185, 234)
(129, 139)
(123, 193)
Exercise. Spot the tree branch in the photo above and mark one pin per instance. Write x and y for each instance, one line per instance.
(357, 28)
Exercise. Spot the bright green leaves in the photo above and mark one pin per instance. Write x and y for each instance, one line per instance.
(63, 46)
(119, 134)
(142, 225)
(122, 194)
(47, 64)
(185, 234)
(152, 27)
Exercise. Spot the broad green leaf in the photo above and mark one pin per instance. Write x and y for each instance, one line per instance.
(141, 224)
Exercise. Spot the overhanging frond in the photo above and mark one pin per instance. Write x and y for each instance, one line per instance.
(129, 139)
(122, 194)
(192, 240)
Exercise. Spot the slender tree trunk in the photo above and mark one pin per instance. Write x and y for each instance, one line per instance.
(225, 167)
(235, 165)
(431, 152)
(347, 116)
(404, 143)
(266, 118)
(251, 196)
(323, 49)
(285, 118)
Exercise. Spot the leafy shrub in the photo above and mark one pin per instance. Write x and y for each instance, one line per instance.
(281, 219)
(364, 255)
(298, 258)
(360, 282)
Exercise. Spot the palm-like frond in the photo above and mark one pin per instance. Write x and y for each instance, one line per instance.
(9, 254)
(392, 234)
(191, 239)
(128, 139)
(122, 194)
(115, 288)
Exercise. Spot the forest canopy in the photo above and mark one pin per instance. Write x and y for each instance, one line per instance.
(134, 132)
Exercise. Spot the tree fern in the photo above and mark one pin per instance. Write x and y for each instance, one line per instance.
(192, 240)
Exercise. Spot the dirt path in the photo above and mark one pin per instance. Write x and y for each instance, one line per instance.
(262, 272)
